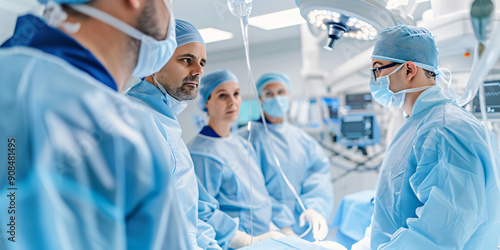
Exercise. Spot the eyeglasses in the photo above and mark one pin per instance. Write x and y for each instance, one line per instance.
(375, 72)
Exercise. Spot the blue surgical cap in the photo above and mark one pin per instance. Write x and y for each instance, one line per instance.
(407, 43)
(186, 33)
(269, 78)
(210, 82)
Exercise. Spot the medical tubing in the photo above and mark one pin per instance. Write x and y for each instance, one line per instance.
(446, 84)
(248, 153)
(251, 187)
(488, 59)
(244, 30)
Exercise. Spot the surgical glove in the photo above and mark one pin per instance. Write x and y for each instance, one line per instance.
(288, 231)
(242, 239)
(319, 225)
(364, 244)
(330, 245)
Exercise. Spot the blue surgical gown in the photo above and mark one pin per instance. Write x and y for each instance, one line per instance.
(436, 188)
(167, 109)
(209, 211)
(227, 171)
(88, 172)
(304, 163)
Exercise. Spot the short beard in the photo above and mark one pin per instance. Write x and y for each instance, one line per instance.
(147, 25)
(184, 92)
(147, 22)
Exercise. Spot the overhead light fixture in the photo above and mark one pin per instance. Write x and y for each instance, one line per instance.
(277, 20)
(353, 27)
(211, 35)
(358, 19)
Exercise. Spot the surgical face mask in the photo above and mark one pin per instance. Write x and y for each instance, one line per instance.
(277, 106)
(153, 54)
(384, 96)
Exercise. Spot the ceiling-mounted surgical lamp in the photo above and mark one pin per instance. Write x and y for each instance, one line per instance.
(358, 19)
(335, 31)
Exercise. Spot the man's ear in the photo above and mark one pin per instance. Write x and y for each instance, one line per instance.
(411, 70)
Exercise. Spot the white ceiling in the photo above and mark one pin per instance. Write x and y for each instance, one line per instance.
(215, 14)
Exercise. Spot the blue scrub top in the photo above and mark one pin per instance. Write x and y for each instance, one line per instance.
(208, 131)
(33, 32)
(225, 169)
(90, 173)
(436, 187)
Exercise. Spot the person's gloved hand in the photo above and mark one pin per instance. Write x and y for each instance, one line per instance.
(288, 232)
(330, 245)
(364, 244)
(242, 239)
(319, 225)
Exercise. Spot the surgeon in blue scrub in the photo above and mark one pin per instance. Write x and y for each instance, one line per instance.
(226, 166)
(84, 169)
(301, 157)
(166, 93)
(436, 188)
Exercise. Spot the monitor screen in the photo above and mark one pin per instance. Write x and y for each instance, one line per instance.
(359, 130)
(357, 127)
(358, 101)
(329, 108)
(492, 98)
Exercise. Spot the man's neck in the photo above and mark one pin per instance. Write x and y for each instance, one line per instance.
(410, 100)
(110, 46)
(151, 80)
(273, 119)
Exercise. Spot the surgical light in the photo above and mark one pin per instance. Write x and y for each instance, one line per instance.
(335, 31)
(354, 27)
(356, 19)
